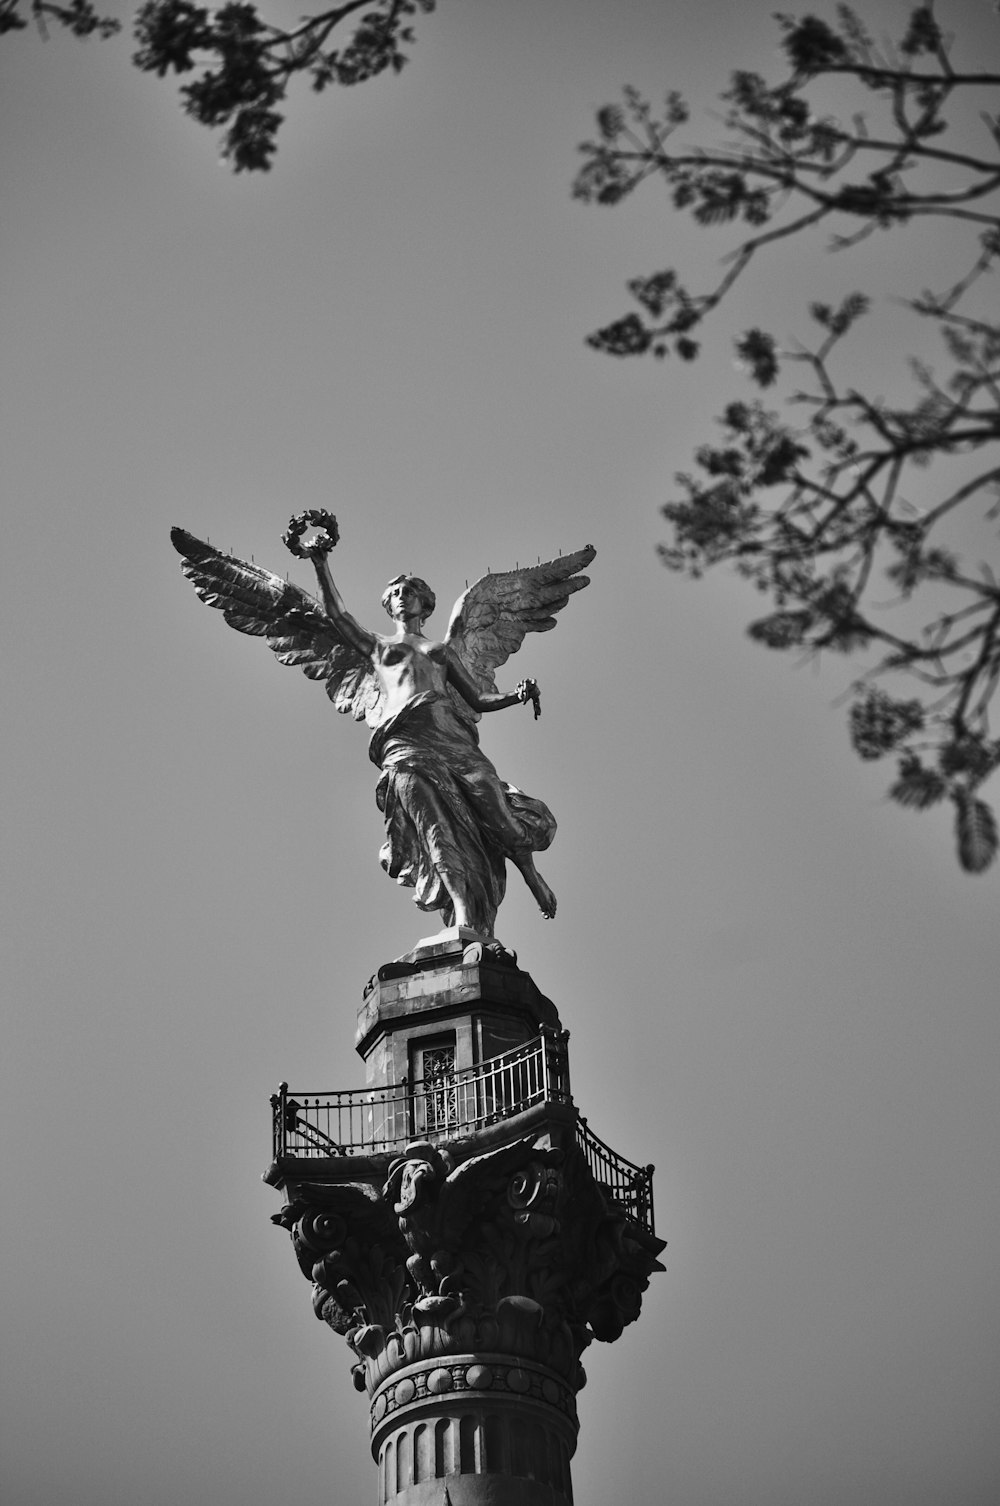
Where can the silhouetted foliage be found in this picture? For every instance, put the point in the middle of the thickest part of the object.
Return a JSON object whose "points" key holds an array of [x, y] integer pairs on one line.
{"points": [[814, 512], [79, 16], [242, 62]]}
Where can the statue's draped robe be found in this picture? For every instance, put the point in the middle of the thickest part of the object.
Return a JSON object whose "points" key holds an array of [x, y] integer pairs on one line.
{"points": [[447, 812]]}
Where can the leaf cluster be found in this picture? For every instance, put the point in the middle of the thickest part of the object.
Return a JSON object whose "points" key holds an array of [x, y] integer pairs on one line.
{"points": [[809, 502], [245, 64], [79, 17], [242, 63]]}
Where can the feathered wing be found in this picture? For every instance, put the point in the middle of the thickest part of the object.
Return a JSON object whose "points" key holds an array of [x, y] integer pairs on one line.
{"points": [[297, 629], [491, 618]]}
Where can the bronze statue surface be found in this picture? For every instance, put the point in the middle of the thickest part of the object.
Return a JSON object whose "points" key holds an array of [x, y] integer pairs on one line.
{"points": [[451, 823]]}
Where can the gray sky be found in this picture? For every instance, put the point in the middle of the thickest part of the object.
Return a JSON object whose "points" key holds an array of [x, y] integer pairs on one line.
{"points": [[780, 988]]}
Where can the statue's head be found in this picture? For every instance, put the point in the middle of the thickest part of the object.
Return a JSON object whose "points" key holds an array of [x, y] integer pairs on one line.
{"points": [[428, 601]]}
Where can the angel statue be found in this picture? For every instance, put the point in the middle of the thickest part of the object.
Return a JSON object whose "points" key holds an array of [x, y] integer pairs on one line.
{"points": [[451, 823]]}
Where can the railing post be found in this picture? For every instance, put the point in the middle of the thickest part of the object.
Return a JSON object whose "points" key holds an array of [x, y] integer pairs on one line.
{"points": [[279, 1124], [544, 1039]]}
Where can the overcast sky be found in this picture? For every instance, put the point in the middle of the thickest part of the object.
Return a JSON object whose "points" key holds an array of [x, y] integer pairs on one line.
{"points": [[780, 988]]}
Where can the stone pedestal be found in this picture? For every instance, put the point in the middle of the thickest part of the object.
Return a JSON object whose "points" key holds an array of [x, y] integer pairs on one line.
{"points": [[464, 1230]]}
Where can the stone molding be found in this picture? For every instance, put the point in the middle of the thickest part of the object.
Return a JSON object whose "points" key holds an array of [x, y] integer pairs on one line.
{"points": [[501, 1378]]}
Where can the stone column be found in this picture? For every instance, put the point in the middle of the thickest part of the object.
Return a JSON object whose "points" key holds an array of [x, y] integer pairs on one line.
{"points": [[467, 1290], [474, 1430]]}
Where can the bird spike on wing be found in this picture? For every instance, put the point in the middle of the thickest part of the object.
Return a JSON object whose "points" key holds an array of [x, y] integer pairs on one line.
{"points": [[491, 618], [297, 629]]}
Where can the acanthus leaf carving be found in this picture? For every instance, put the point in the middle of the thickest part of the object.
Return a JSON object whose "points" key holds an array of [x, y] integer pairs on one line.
{"points": [[517, 1250]]}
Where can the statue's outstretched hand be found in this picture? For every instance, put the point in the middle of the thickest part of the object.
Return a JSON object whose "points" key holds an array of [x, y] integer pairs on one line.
{"points": [[527, 690]]}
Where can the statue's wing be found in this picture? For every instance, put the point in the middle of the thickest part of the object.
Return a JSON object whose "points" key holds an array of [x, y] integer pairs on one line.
{"points": [[295, 625], [490, 620]]}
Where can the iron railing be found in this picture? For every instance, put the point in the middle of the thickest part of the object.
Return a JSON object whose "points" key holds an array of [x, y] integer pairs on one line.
{"points": [[373, 1121], [380, 1121], [628, 1185]]}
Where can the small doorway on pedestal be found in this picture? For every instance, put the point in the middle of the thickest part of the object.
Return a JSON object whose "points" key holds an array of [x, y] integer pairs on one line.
{"points": [[435, 1093]]}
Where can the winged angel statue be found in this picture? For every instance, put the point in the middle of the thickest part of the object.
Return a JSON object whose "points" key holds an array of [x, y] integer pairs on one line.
{"points": [[450, 821]]}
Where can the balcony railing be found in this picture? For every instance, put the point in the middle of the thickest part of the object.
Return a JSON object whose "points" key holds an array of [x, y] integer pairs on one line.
{"points": [[628, 1185], [373, 1121], [380, 1121]]}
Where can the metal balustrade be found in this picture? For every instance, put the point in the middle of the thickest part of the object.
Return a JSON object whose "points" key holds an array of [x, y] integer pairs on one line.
{"points": [[628, 1185], [373, 1121], [381, 1121]]}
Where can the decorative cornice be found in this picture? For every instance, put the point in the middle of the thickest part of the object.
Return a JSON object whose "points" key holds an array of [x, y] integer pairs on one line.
{"points": [[515, 1253], [479, 974]]}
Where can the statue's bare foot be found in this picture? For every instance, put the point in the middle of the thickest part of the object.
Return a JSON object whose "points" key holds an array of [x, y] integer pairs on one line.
{"points": [[539, 888]]}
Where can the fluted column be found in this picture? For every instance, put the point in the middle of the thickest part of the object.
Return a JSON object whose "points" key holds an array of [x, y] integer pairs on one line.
{"points": [[492, 1431]]}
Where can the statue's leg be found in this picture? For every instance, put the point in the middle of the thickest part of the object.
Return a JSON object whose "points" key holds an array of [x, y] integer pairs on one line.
{"points": [[500, 821], [539, 888], [454, 851], [488, 797], [470, 904]]}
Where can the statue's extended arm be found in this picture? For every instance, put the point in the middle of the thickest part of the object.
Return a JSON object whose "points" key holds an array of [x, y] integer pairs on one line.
{"points": [[347, 626], [295, 626], [490, 620], [487, 700]]}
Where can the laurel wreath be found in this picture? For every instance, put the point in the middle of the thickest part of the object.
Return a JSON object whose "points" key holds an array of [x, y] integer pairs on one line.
{"points": [[313, 518]]}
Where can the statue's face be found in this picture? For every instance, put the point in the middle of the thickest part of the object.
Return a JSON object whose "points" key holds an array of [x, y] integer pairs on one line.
{"points": [[408, 595], [403, 600]]}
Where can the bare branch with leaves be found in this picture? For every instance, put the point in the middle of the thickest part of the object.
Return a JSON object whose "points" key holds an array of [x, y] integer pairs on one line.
{"points": [[813, 509]]}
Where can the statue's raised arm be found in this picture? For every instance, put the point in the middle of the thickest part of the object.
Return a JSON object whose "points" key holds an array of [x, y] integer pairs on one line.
{"points": [[451, 823], [297, 629]]}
